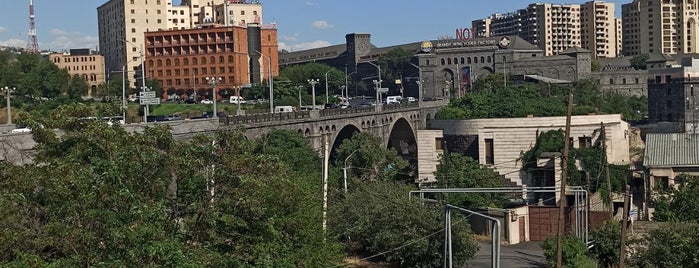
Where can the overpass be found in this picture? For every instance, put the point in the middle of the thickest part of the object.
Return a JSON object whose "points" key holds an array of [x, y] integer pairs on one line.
{"points": [[396, 125]]}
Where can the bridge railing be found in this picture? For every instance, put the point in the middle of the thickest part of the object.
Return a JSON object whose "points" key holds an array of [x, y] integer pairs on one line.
{"points": [[261, 118], [332, 112]]}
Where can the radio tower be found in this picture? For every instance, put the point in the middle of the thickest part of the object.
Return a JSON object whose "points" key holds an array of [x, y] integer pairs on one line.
{"points": [[32, 45]]}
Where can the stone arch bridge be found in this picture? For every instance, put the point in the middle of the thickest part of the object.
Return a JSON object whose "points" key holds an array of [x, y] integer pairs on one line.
{"points": [[395, 125]]}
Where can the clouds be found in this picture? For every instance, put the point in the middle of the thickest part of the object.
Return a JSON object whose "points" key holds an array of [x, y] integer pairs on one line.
{"points": [[303, 46], [63, 40], [2, 29], [323, 25], [14, 42]]}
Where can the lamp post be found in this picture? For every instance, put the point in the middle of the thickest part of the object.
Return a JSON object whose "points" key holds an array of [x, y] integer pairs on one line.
{"points": [[313, 83], [9, 90], [299, 90], [271, 82], [213, 81], [143, 76], [344, 169], [378, 85], [237, 92], [326, 86], [419, 83]]}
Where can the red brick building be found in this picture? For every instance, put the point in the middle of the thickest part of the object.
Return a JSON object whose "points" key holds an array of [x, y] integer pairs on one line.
{"points": [[182, 59]]}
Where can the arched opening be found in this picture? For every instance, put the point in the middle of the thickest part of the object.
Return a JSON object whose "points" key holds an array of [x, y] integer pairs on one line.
{"points": [[345, 133], [403, 140]]}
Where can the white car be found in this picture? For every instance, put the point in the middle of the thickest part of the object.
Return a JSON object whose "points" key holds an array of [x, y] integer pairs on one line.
{"points": [[207, 102], [22, 129]]}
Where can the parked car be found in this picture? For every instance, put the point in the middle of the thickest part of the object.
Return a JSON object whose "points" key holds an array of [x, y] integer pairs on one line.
{"points": [[236, 99], [207, 101], [190, 101]]}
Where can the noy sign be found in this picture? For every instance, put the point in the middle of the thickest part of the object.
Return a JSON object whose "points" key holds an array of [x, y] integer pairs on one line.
{"points": [[465, 33]]}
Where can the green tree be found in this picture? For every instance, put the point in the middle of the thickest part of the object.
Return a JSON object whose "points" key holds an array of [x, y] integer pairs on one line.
{"points": [[574, 251], [371, 161], [681, 204], [379, 222], [395, 62], [458, 171], [672, 245], [606, 243], [638, 62]]}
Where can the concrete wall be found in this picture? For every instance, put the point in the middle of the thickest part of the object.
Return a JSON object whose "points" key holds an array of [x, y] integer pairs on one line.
{"points": [[512, 136], [428, 154]]}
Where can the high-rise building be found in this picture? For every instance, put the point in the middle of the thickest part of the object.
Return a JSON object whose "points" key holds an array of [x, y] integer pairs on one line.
{"points": [[599, 29], [660, 26], [557, 27], [122, 24]]}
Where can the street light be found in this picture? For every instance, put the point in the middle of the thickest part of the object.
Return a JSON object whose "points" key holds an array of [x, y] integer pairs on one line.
{"points": [[143, 77], [344, 169], [313, 90], [419, 83], [326, 86], [299, 90], [213, 81], [271, 82], [377, 85], [8, 90]]}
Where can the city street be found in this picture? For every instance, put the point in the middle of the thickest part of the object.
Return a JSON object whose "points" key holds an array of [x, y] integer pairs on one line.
{"points": [[526, 254]]}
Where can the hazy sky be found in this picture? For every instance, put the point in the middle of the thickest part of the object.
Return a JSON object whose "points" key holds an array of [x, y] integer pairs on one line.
{"points": [[302, 24]]}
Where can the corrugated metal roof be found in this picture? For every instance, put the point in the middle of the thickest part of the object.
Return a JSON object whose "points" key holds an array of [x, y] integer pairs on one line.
{"points": [[671, 150]]}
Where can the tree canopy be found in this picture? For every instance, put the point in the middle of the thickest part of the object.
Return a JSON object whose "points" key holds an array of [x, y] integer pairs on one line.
{"points": [[493, 100]]}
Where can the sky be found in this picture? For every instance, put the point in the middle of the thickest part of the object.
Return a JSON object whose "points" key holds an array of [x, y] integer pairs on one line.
{"points": [[301, 24]]}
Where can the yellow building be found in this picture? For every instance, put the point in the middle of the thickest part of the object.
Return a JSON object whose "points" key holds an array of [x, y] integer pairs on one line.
{"points": [[84, 63], [660, 26]]}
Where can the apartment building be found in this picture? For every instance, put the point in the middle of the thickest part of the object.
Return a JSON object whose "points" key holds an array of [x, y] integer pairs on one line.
{"points": [[84, 63], [557, 27], [182, 60], [660, 26], [599, 29], [122, 24]]}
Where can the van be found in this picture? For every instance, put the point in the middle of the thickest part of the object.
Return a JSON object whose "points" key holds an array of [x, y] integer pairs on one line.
{"points": [[393, 99], [236, 99], [283, 109]]}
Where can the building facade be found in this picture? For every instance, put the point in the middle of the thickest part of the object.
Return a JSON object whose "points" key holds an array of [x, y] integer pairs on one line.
{"points": [[82, 62], [672, 96], [499, 142], [557, 27], [599, 29], [182, 60], [445, 68], [667, 26], [122, 24]]}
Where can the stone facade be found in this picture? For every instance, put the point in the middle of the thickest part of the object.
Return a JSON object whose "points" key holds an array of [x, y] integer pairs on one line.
{"points": [[623, 81], [501, 141], [672, 96], [84, 63]]}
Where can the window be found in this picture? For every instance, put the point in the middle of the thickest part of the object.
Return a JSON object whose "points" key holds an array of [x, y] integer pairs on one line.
{"points": [[585, 142], [489, 150], [133, 11], [438, 144], [662, 183], [242, 12]]}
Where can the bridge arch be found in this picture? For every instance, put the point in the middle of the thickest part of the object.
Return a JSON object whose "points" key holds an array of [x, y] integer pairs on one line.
{"points": [[344, 134], [402, 138]]}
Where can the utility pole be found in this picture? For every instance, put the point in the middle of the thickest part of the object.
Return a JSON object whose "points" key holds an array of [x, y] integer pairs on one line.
{"points": [[564, 175], [587, 199], [326, 156], [622, 251], [606, 169]]}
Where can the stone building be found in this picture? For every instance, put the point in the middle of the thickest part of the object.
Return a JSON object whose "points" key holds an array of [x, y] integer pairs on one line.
{"points": [[82, 62], [671, 93], [500, 142], [445, 67]]}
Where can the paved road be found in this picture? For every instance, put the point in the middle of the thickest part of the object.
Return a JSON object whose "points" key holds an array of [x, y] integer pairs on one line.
{"points": [[527, 254]]}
